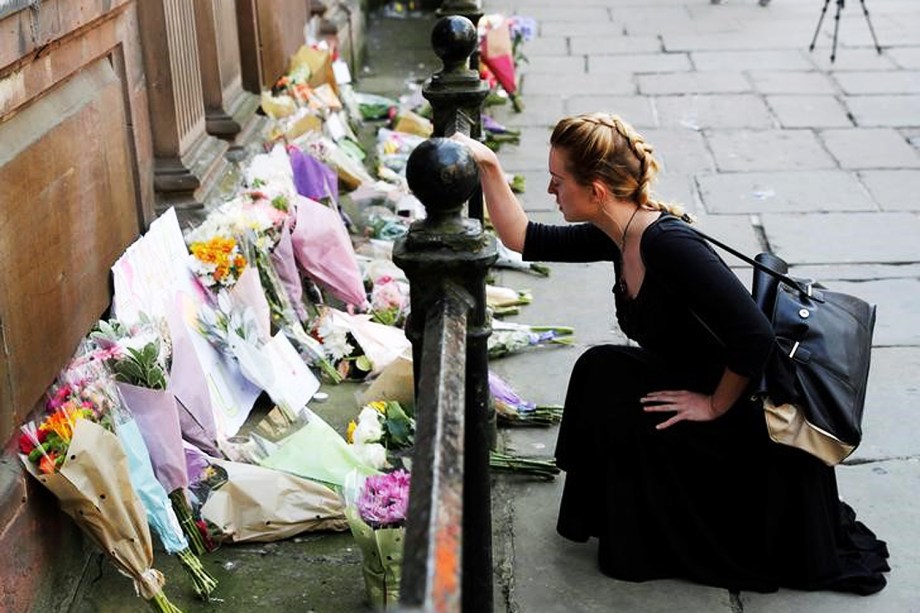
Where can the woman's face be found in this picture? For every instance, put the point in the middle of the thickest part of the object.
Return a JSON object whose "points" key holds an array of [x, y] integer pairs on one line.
{"points": [[574, 200]]}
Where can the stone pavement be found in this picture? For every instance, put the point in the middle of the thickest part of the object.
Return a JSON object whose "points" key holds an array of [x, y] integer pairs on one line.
{"points": [[770, 146]]}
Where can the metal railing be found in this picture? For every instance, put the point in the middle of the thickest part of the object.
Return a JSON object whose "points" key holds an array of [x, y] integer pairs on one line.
{"points": [[447, 563]]}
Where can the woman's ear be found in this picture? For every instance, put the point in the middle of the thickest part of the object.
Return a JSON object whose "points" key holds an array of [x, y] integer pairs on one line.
{"points": [[598, 191]]}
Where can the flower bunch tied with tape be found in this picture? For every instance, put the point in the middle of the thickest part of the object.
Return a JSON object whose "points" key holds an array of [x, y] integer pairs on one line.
{"points": [[78, 453]]}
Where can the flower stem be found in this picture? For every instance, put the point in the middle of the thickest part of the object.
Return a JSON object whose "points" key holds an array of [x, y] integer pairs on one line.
{"points": [[201, 578], [189, 527], [160, 603], [541, 469]]}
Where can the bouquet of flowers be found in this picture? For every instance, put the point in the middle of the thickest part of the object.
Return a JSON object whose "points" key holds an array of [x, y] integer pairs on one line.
{"points": [[140, 357], [512, 410], [340, 345], [508, 338], [514, 261], [497, 134], [376, 514], [75, 456], [389, 301], [503, 301], [382, 427], [217, 261]]}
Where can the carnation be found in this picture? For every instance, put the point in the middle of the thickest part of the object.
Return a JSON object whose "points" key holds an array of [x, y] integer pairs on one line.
{"points": [[384, 500]]}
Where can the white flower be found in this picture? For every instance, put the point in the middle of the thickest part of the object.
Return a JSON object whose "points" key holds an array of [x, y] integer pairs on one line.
{"points": [[372, 454], [335, 338], [369, 429]]}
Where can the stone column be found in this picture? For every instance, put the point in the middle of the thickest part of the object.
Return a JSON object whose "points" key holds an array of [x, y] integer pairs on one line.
{"points": [[188, 161], [229, 110], [270, 32]]}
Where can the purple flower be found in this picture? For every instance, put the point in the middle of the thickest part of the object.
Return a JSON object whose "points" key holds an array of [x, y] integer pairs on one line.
{"points": [[524, 28], [384, 500], [503, 392]]}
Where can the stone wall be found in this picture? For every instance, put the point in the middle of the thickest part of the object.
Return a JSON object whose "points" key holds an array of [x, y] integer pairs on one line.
{"points": [[75, 171], [110, 112]]}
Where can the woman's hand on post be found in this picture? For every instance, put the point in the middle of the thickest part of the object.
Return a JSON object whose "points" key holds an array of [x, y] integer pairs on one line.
{"points": [[481, 154], [685, 406]]}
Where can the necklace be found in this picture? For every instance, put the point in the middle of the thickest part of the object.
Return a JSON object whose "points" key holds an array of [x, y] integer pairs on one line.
{"points": [[626, 229], [622, 281]]}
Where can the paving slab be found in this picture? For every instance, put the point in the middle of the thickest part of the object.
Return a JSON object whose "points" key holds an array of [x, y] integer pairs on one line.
{"points": [[568, 85], [854, 60], [892, 82], [736, 231], [700, 111], [783, 59], [599, 47], [885, 111], [768, 150], [890, 418], [639, 111], [574, 13], [547, 45], [605, 27], [787, 191], [731, 41], [898, 300], [638, 63], [824, 111], [539, 111], [531, 155], [905, 57], [791, 82], [857, 272], [880, 493], [564, 64], [826, 238], [693, 83], [679, 150], [677, 187], [893, 190], [639, 14], [870, 148], [535, 197]]}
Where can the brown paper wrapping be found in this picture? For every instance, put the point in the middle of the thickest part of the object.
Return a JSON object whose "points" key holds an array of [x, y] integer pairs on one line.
{"points": [[395, 382], [94, 488], [262, 504]]}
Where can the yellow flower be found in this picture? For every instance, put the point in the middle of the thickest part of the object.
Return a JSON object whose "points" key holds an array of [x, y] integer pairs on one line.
{"points": [[350, 432], [379, 405]]}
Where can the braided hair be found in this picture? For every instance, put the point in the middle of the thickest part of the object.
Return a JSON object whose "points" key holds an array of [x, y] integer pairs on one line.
{"points": [[601, 146]]}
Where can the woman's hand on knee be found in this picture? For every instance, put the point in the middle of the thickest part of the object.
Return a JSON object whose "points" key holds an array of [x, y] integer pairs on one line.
{"points": [[685, 406]]}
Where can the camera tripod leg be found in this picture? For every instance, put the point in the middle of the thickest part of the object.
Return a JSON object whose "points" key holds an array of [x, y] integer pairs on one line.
{"points": [[814, 39], [871, 29], [836, 28]]}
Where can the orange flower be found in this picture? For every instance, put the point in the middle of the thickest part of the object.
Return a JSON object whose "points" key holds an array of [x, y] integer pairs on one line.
{"points": [[48, 463], [63, 420]]}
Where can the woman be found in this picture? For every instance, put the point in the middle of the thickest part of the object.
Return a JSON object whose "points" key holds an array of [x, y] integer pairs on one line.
{"points": [[667, 459]]}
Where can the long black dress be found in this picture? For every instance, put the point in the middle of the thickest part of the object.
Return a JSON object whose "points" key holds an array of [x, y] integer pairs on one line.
{"points": [[714, 502]]}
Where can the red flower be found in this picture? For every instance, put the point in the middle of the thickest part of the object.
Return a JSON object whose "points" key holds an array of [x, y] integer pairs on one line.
{"points": [[27, 443]]}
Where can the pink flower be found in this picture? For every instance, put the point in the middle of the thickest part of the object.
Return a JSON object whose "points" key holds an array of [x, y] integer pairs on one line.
{"points": [[384, 501]]}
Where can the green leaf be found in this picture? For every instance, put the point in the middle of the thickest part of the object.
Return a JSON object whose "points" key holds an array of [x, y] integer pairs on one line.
{"points": [[363, 363]]}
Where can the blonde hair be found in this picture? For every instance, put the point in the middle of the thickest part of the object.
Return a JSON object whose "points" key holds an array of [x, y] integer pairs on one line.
{"points": [[601, 146]]}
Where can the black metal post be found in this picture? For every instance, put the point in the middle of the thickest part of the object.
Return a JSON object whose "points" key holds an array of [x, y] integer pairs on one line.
{"points": [[456, 88], [447, 248], [472, 10]]}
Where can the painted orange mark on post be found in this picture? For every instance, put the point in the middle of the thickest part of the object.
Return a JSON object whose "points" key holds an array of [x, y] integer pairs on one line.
{"points": [[446, 588]]}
